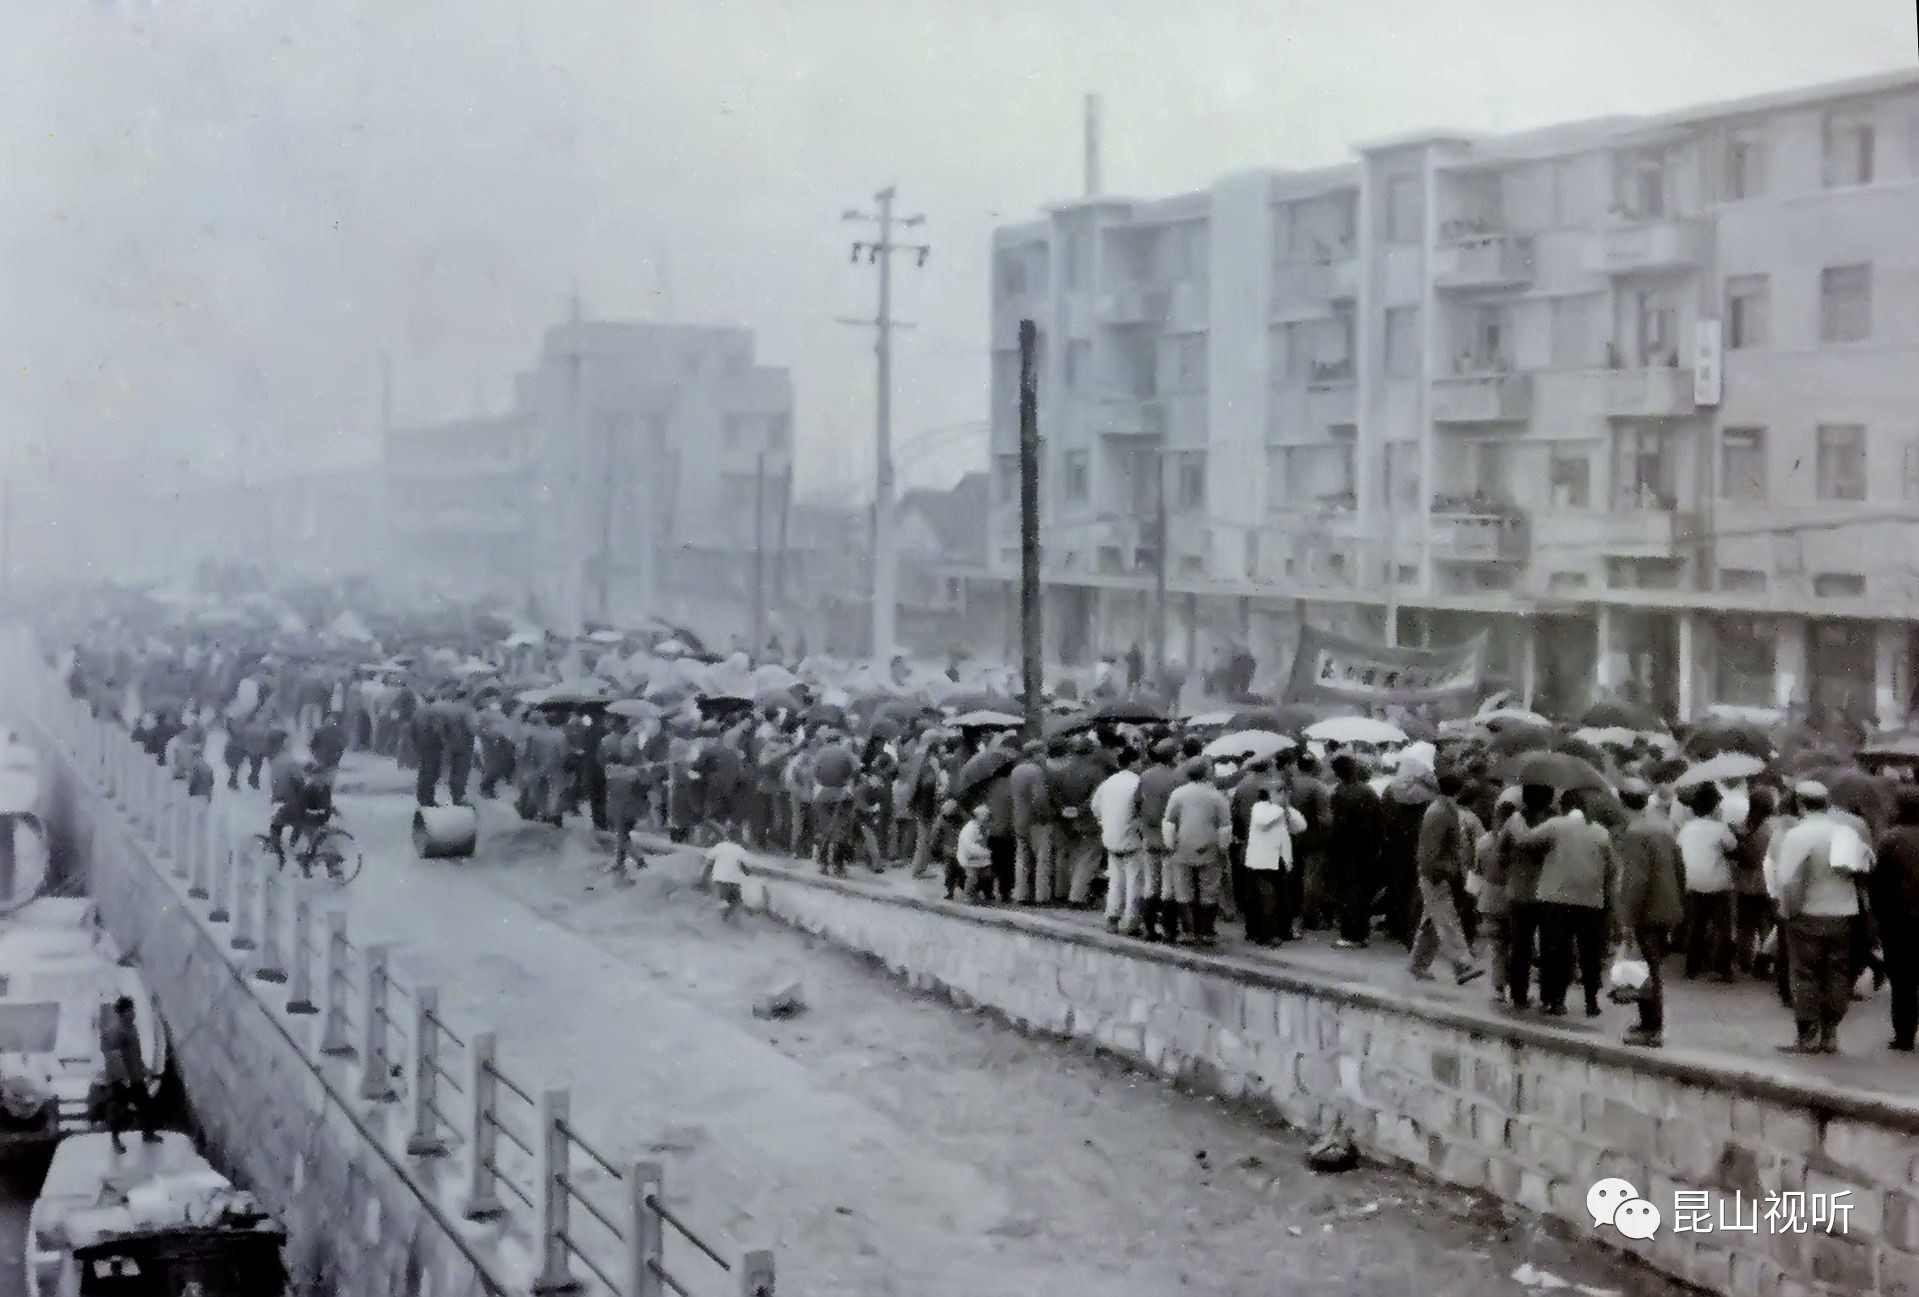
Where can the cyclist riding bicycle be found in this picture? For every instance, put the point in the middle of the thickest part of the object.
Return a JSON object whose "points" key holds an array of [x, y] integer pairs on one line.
{"points": [[305, 806]]}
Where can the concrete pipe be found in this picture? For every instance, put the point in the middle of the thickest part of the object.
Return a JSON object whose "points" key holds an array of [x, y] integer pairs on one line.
{"points": [[445, 832]]}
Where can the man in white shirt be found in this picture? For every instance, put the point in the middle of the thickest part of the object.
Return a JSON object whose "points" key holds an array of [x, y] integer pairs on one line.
{"points": [[1116, 809], [1817, 906], [1706, 844]]}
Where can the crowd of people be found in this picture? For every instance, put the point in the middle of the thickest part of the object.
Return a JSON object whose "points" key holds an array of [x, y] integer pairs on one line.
{"points": [[1564, 865]]}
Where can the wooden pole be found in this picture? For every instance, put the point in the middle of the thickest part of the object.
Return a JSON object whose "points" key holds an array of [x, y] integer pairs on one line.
{"points": [[1032, 640]]}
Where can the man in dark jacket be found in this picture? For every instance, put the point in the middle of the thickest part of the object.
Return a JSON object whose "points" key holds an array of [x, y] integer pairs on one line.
{"points": [[1353, 849], [1894, 893], [1649, 904], [126, 1074], [1157, 781], [1033, 825], [429, 745]]}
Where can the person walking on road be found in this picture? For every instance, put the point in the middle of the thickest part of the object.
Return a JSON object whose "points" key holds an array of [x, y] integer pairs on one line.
{"points": [[1649, 903], [1444, 856], [1818, 900], [126, 1075], [1894, 893], [1199, 831]]}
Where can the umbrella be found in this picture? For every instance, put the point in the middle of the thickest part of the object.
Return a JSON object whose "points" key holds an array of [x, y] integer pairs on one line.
{"points": [[1870, 797], [1252, 744], [987, 720], [1210, 720], [1622, 715], [1727, 765], [1711, 737], [606, 637], [722, 705], [1355, 729], [1561, 771], [1608, 736], [1506, 717], [773, 676], [981, 700], [1759, 716], [571, 694], [634, 709], [1901, 749], [1127, 711], [783, 699], [526, 639], [982, 770], [824, 714]]}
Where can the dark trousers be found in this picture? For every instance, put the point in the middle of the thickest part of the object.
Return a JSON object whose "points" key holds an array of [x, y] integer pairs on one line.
{"points": [[426, 778], [1005, 854], [1709, 929], [1265, 900], [459, 768], [1751, 913], [1522, 934], [1651, 940], [1564, 930], [1902, 973], [1821, 969], [1356, 899], [125, 1100]]}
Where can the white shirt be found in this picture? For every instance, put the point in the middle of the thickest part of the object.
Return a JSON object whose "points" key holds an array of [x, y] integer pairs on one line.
{"points": [[1805, 852], [729, 862], [1115, 806], [1703, 846], [1269, 835]]}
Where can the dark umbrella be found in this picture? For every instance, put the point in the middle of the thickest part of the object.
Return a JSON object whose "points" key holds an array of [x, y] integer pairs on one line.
{"points": [[824, 714], [1520, 738], [1901, 749], [1870, 797], [835, 766], [982, 770], [724, 705], [1632, 716], [1561, 771], [984, 700], [1710, 738], [781, 700], [1127, 711]]}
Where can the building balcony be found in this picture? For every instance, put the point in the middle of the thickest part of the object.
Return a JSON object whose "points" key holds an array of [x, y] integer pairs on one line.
{"points": [[1652, 533], [1483, 398], [1490, 261], [1190, 308], [1135, 304], [1332, 403], [1658, 393], [1460, 536], [1126, 416], [1307, 290], [1633, 247]]}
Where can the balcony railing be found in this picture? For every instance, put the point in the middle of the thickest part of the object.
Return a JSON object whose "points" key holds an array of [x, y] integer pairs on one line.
{"points": [[1652, 532], [1483, 398], [1464, 536], [1306, 290], [1628, 246], [1127, 416], [1487, 261], [1660, 392], [1135, 303]]}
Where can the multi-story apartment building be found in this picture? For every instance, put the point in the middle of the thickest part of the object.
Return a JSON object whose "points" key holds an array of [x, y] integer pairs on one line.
{"points": [[622, 482], [1633, 395]]}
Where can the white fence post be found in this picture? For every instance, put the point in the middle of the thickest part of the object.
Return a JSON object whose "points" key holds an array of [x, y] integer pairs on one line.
{"points": [[645, 1231], [425, 1141], [300, 960], [271, 965], [245, 871], [180, 834], [483, 1135], [376, 1068], [221, 910], [202, 848], [556, 1276], [333, 1031], [753, 1272]]}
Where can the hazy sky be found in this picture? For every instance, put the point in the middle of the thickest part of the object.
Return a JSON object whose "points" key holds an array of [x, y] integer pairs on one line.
{"points": [[216, 214]]}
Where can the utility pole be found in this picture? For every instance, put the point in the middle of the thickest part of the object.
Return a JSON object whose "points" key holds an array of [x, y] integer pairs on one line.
{"points": [[1161, 538], [885, 561], [759, 558], [1032, 641]]}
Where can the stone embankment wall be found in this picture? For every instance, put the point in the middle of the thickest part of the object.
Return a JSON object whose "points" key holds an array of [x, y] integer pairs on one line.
{"points": [[281, 1119], [1529, 1116]]}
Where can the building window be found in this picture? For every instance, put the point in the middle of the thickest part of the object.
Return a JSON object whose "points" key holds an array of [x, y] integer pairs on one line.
{"points": [[1402, 342], [1195, 252], [1842, 461], [1280, 350], [1071, 253], [1742, 580], [1742, 465], [1747, 298], [1405, 210], [1011, 274], [1838, 585], [1189, 362], [1746, 164], [1565, 582], [1848, 151], [1079, 474], [1571, 475], [1079, 365], [1191, 485], [1845, 304], [1572, 332]]}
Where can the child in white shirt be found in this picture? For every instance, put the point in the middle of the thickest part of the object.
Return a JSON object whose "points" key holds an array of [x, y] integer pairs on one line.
{"points": [[726, 866], [973, 855]]}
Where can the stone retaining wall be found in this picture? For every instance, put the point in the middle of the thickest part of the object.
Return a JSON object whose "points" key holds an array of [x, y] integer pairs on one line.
{"points": [[1515, 1110], [362, 1218]]}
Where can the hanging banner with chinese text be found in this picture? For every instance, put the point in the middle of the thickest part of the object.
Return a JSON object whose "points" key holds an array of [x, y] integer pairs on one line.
{"points": [[1330, 668]]}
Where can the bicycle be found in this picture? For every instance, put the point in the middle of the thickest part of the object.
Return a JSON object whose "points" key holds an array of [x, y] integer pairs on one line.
{"points": [[322, 851]]}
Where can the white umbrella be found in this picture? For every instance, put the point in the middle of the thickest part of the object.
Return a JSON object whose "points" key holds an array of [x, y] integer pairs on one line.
{"points": [[1746, 715], [1727, 765], [1356, 729], [1249, 745], [1513, 716], [1608, 736], [1206, 720]]}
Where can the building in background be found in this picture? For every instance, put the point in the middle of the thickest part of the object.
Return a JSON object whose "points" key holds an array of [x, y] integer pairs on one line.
{"points": [[459, 508], [1632, 395]]}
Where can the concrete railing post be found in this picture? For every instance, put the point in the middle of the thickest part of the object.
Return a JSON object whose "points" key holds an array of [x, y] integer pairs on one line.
{"points": [[221, 902], [204, 819], [333, 1028], [424, 1140], [555, 1201], [376, 1066], [300, 958], [483, 1135], [180, 834], [271, 965], [753, 1272], [645, 1231], [246, 870]]}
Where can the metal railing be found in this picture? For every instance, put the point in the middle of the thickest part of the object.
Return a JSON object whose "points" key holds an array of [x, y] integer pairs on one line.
{"points": [[594, 1225]]}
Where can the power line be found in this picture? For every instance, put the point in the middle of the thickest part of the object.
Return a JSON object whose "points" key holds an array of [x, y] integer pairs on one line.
{"points": [[879, 252]]}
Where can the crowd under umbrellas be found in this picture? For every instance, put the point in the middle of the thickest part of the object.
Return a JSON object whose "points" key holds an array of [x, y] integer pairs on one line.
{"points": [[1590, 856]]}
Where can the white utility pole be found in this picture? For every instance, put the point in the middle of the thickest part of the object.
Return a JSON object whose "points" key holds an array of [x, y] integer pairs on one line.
{"points": [[885, 560]]}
